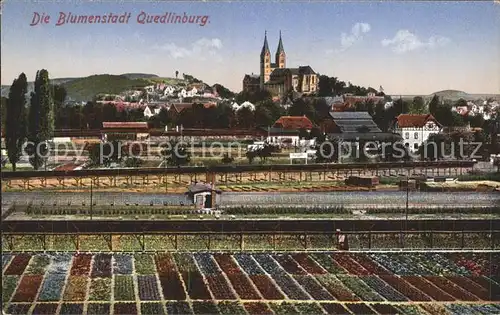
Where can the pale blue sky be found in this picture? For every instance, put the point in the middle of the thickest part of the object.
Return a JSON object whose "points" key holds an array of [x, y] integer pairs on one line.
{"points": [[407, 47]]}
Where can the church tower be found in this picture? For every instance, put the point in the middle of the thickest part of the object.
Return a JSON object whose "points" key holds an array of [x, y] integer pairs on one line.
{"points": [[265, 63], [280, 55]]}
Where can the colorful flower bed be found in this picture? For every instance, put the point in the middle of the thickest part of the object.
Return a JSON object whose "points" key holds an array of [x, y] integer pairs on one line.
{"points": [[360, 308], [81, 265], [172, 287], [382, 288], [195, 286], [258, 309], [52, 287], [124, 309], [204, 308], [9, 284], [349, 264], [144, 264], [152, 309], [308, 264], [360, 288], [315, 290], [200, 283], [124, 288], [76, 288], [71, 309], [266, 287], [429, 289], [100, 289], [102, 266], [38, 265], [403, 287], [18, 264], [243, 287], [98, 308], [248, 264], [328, 263], [219, 287], [309, 308], [45, 309], [207, 265], [289, 265], [231, 308], [28, 288], [148, 288], [122, 264], [284, 308], [290, 287], [335, 308], [179, 308], [336, 288]]}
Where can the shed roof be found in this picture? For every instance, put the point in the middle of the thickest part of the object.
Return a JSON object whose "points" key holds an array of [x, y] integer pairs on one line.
{"points": [[131, 125], [349, 122], [293, 122], [366, 136], [196, 188]]}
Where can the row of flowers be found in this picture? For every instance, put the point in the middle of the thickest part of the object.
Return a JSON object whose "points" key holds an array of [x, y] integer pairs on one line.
{"points": [[272, 277]]}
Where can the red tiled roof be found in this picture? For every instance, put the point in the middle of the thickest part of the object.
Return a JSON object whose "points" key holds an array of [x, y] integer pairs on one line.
{"points": [[414, 120], [132, 125], [293, 122], [181, 106]]}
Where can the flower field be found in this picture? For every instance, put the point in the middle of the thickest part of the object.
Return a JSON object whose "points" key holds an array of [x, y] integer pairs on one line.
{"points": [[251, 283]]}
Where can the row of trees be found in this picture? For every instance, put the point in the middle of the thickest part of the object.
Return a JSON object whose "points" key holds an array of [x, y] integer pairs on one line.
{"points": [[35, 125]]}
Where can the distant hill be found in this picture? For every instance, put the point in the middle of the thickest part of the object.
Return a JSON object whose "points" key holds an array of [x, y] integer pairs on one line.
{"points": [[135, 76], [453, 95], [85, 88]]}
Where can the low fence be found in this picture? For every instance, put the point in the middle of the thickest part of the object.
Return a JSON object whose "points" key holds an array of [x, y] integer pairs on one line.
{"points": [[251, 241], [235, 169]]}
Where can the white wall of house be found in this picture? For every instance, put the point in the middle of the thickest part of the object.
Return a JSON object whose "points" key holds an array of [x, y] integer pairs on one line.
{"points": [[147, 112], [292, 140], [414, 137]]}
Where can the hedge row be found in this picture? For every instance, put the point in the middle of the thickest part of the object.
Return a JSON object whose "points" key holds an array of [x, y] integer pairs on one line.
{"points": [[437, 210], [249, 210]]}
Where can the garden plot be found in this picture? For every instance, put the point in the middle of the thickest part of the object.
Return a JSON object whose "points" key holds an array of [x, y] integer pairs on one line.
{"points": [[251, 283]]}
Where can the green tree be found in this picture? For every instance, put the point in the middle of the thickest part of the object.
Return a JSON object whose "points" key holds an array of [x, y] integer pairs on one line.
{"points": [[245, 118], [43, 91], [15, 124], [175, 153], [418, 105], [327, 151], [40, 119], [436, 147], [59, 94], [433, 105], [3, 110]]}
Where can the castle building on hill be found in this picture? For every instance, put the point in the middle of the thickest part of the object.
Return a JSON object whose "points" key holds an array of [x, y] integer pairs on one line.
{"points": [[277, 78]]}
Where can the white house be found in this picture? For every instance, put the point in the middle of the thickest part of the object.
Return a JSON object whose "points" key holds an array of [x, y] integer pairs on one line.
{"points": [[147, 112], [192, 92], [416, 129], [247, 104], [182, 93], [169, 90]]}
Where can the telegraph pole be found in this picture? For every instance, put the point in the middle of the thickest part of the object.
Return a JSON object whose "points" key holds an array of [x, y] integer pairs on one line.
{"points": [[91, 197]]}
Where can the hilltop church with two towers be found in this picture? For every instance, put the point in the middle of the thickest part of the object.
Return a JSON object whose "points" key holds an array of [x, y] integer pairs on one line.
{"points": [[276, 78]]}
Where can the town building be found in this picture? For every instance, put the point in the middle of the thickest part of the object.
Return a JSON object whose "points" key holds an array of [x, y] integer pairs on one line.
{"points": [[125, 130], [276, 78], [416, 129], [294, 123]]}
